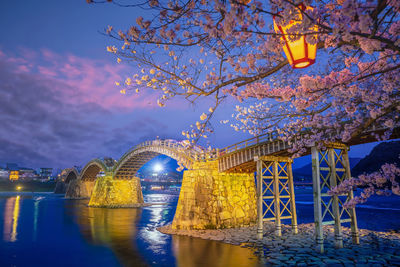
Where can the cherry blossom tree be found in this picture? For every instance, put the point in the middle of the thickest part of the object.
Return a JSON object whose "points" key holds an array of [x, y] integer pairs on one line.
{"points": [[228, 48]]}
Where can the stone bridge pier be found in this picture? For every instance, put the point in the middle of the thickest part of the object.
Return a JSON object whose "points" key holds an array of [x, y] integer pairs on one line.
{"points": [[109, 192], [210, 199], [79, 188]]}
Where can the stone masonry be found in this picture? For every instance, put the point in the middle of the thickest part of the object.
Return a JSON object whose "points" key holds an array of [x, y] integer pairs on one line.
{"points": [[79, 189], [60, 188], [212, 200], [113, 193]]}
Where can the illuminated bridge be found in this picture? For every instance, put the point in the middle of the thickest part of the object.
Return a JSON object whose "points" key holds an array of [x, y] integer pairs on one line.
{"points": [[218, 188]]}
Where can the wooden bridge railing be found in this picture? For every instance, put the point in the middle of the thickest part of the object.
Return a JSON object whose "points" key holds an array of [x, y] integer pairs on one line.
{"points": [[268, 137], [274, 136]]}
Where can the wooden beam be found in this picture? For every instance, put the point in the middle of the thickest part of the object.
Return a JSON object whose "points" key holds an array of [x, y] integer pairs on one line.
{"points": [[335, 199], [260, 213], [317, 199]]}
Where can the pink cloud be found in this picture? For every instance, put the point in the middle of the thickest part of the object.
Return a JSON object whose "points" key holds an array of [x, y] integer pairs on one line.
{"points": [[86, 80], [46, 71], [22, 68]]}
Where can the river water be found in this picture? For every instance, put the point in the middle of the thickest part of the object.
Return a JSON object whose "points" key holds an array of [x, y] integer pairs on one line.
{"points": [[43, 229]]}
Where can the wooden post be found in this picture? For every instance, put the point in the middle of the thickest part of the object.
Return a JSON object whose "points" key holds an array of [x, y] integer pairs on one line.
{"points": [[317, 199], [292, 198], [278, 231], [354, 227], [335, 199], [260, 215]]}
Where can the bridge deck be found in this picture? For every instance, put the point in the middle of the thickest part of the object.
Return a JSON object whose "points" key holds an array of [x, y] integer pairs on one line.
{"points": [[240, 157]]}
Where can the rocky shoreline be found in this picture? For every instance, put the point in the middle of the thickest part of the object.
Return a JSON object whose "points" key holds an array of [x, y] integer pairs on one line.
{"points": [[127, 206], [375, 249]]}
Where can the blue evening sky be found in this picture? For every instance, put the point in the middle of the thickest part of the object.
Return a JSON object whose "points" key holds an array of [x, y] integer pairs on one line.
{"points": [[58, 104]]}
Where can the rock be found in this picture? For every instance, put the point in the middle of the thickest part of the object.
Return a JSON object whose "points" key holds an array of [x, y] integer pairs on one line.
{"points": [[299, 250]]}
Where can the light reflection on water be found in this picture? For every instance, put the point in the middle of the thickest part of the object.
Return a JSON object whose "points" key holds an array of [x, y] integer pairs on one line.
{"points": [[113, 228], [11, 215], [192, 252], [47, 230], [132, 236], [35, 218]]}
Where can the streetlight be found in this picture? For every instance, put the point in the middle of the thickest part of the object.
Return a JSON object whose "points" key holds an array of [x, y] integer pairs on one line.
{"points": [[158, 167]]}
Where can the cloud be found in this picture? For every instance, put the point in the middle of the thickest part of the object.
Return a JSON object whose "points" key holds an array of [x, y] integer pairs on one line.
{"points": [[79, 80], [60, 111]]}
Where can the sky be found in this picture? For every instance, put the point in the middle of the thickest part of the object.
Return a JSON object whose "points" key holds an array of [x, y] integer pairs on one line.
{"points": [[59, 105]]}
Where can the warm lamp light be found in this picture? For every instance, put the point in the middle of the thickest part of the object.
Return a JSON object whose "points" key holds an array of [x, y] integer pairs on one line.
{"points": [[19, 188], [299, 53]]}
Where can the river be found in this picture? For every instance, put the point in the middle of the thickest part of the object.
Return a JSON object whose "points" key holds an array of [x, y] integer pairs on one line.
{"points": [[43, 229]]}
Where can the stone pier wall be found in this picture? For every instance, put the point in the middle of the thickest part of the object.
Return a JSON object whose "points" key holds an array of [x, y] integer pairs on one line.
{"points": [[213, 200], [111, 193], [60, 188], [79, 189]]}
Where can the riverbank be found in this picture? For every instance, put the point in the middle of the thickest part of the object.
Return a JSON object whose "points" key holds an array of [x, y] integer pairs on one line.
{"points": [[27, 186], [376, 248]]}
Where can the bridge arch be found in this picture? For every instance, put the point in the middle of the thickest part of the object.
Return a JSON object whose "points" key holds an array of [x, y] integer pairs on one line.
{"points": [[70, 174], [134, 159], [94, 167]]}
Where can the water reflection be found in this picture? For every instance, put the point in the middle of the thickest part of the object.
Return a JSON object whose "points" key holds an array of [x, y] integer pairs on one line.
{"points": [[154, 239], [132, 236], [35, 217], [199, 252], [11, 215], [114, 228]]}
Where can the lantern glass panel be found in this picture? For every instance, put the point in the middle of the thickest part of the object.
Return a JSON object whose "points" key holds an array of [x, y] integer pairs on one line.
{"points": [[312, 51], [299, 53]]}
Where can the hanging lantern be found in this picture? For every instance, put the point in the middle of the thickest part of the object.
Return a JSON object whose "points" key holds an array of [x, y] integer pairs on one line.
{"points": [[299, 53]]}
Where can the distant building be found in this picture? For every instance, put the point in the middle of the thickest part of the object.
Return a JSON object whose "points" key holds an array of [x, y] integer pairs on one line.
{"points": [[27, 174], [14, 176], [46, 173], [13, 171]]}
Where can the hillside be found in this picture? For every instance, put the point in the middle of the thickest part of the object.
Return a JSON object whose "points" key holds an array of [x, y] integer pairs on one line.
{"points": [[387, 152], [304, 174]]}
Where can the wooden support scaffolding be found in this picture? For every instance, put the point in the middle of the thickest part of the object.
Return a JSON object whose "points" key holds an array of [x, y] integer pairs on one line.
{"points": [[329, 168], [275, 193]]}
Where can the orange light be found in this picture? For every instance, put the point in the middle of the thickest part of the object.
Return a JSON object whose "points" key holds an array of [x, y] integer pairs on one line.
{"points": [[299, 53], [14, 175]]}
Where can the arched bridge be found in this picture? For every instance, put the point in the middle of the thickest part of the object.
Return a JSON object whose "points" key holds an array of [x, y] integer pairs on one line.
{"points": [[128, 165], [135, 158], [96, 166], [70, 174], [238, 157], [218, 187]]}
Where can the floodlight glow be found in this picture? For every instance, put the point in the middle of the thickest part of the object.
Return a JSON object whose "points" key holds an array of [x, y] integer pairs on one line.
{"points": [[158, 167]]}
